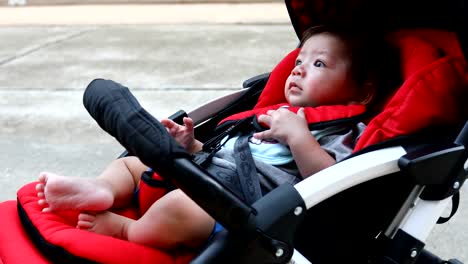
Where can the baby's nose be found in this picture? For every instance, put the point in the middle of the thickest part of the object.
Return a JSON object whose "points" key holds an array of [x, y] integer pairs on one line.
{"points": [[298, 70]]}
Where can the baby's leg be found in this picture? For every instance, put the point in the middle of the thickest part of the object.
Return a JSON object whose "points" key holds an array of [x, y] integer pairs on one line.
{"points": [[113, 188], [172, 221]]}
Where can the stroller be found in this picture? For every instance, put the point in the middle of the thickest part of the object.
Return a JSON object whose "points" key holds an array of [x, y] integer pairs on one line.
{"points": [[409, 164]]}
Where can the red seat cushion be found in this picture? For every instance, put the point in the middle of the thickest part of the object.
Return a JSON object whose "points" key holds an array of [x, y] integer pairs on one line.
{"points": [[15, 245], [59, 229]]}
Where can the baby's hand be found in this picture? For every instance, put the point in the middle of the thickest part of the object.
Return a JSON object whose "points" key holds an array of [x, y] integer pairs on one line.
{"points": [[184, 135], [283, 124]]}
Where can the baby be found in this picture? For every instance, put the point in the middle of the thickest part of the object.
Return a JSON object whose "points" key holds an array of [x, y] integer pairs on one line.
{"points": [[332, 68]]}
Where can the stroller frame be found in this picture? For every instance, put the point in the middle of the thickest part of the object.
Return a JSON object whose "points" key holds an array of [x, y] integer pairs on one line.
{"points": [[403, 241]]}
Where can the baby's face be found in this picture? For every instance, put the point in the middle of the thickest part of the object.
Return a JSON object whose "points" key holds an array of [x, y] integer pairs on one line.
{"points": [[322, 75]]}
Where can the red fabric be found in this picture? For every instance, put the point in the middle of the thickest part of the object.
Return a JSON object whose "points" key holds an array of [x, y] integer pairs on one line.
{"points": [[415, 53], [149, 194], [429, 94], [312, 114], [427, 98], [15, 245], [58, 229], [446, 42]]}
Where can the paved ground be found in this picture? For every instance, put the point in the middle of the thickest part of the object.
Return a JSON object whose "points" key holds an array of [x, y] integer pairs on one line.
{"points": [[264, 13], [171, 56]]}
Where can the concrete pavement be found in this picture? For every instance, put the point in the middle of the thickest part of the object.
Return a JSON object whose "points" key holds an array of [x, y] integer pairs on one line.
{"points": [[171, 56], [265, 13]]}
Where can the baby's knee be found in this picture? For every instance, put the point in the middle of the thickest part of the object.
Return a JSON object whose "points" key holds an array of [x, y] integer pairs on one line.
{"points": [[196, 223], [177, 202], [179, 206]]}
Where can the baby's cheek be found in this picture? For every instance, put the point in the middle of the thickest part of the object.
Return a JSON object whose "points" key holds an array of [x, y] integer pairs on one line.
{"points": [[286, 84]]}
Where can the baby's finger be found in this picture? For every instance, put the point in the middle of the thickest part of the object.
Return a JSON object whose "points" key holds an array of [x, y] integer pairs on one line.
{"points": [[258, 135], [269, 112], [262, 135], [188, 122], [266, 119], [168, 123], [301, 112]]}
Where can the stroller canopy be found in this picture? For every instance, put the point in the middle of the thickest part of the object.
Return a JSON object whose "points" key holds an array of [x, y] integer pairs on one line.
{"points": [[386, 15]]}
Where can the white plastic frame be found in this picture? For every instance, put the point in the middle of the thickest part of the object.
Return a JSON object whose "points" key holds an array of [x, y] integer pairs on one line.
{"points": [[349, 173], [344, 175], [418, 221]]}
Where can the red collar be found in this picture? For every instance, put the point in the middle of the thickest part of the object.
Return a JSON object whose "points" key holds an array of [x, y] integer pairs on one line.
{"points": [[313, 115]]}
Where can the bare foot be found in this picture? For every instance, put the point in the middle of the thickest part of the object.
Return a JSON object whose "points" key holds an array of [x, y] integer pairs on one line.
{"points": [[63, 193], [105, 223]]}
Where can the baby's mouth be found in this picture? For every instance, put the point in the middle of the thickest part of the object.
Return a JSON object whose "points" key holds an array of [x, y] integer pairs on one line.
{"points": [[294, 88]]}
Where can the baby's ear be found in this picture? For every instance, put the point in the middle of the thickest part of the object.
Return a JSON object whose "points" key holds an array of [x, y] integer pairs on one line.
{"points": [[368, 93]]}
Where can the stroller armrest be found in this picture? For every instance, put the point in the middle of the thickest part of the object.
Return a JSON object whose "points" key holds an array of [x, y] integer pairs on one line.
{"points": [[204, 112], [348, 173], [256, 80]]}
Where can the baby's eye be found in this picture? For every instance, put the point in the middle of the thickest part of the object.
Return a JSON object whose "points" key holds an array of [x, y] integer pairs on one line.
{"points": [[298, 62], [319, 63]]}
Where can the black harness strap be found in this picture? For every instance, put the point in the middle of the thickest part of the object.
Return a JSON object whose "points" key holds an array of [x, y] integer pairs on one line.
{"points": [[246, 170], [211, 146]]}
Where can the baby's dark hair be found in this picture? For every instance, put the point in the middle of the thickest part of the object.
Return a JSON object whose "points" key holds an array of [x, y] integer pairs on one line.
{"points": [[373, 60]]}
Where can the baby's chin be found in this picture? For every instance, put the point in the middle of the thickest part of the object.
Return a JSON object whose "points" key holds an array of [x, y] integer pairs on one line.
{"points": [[301, 104]]}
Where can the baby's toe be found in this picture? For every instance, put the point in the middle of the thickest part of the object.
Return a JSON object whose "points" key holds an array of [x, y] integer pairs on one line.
{"points": [[43, 177], [40, 187], [86, 217], [85, 221], [84, 225]]}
